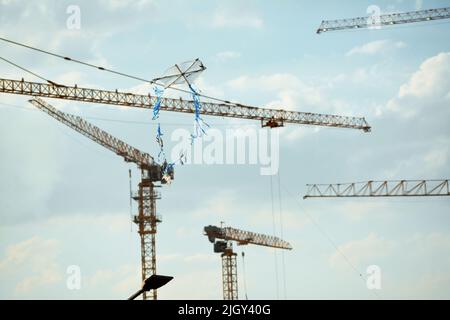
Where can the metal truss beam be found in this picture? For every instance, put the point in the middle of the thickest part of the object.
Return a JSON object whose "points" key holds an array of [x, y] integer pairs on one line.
{"points": [[147, 221], [229, 275], [129, 153], [384, 20], [246, 237], [402, 188], [268, 117]]}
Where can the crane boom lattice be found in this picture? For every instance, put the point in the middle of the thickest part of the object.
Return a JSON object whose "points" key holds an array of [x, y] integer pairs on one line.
{"points": [[129, 153], [384, 20], [246, 237], [402, 188], [268, 117], [151, 172], [229, 262]]}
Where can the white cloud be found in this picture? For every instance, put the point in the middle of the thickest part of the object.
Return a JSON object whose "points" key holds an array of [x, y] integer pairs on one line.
{"points": [[432, 78], [120, 281], [356, 211], [291, 92], [227, 55], [376, 47], [204, 284], [429, 286], [112, 223], [423, 259], [236, 18], [200, 258], [427, 88], [429, 243], [291, 220], [438, 156], [35, 149], [208, 89], [220, 205], [365, 251], [38, 257], [296, 133], [121, 4]]}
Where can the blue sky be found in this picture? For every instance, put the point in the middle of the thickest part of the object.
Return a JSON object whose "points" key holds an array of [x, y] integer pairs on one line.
{"points": [[65, 199]]}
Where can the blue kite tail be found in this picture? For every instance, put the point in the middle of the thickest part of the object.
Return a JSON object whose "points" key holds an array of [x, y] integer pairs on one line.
{"points": [[157, 106]]}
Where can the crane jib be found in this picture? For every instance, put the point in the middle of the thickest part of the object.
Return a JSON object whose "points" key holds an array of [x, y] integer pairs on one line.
{"points": [[269, 117]]}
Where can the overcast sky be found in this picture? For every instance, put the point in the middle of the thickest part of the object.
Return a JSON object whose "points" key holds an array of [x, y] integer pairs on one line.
{"points": [[64, 199]]}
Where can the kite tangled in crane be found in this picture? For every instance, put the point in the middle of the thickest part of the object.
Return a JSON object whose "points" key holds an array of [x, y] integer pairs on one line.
{"points": [[157, 106], [184, 73], [160, 142], [199, 123]]}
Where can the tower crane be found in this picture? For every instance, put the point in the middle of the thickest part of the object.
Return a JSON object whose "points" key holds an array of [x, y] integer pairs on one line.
{"points": [[384, 20], [229, 263], [151, 173], [269, 117], [401, 188]]}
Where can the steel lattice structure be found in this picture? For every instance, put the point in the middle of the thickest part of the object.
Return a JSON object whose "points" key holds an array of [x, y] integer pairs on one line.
{"points": [[401, 188], [229, 262], [147, 221], [384, 20], [268, 117], [129, 153], [229, 275], [151, 172], [246, 237]]}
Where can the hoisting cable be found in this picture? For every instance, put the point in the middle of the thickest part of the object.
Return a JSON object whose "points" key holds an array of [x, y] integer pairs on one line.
{"points": [[111, 71], [283, 265], [244, 275], [30, 72], [274, 234], [131, 202], [316, 224]]}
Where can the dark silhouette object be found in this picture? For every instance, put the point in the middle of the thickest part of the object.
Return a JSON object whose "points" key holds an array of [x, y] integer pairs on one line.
{"points": [[154, 282]]}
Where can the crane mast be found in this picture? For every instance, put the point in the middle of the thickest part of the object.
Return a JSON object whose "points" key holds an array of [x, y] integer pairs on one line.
{"points": [[401, 188], [146, 196], [384, 20], [269, 117], [152, 172], [229, 261]]}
